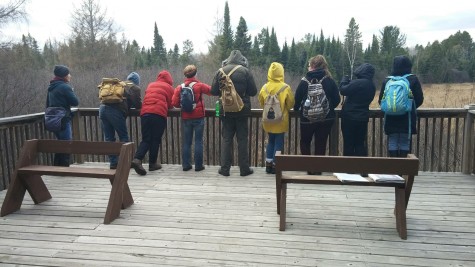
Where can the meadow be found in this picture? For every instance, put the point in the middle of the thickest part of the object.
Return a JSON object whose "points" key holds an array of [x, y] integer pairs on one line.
{"points": [[447, 95]]}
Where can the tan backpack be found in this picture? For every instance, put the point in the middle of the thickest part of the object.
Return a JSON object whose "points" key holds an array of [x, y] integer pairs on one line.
{"points": [[111, 90], [272, 112], [230, 99]]}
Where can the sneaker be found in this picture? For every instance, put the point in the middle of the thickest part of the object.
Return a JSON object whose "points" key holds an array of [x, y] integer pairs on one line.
{"points": [[154, 166], [269, 167], [197, 169], [137, 165], [248, 172], [185, 169], [223, 172]]}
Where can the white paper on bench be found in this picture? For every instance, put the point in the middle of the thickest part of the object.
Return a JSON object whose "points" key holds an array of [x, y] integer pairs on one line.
{"points": [[386, 178], [348, 177]]}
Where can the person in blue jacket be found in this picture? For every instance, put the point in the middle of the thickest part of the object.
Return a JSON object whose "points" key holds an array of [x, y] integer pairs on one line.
{"points": [[61, 94]]}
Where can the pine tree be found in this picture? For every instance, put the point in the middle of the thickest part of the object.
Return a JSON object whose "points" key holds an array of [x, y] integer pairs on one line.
{"points": [[159, 52], [227, 37], [242, 41]]}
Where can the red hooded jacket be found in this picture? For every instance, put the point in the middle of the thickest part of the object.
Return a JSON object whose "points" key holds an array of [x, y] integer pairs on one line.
{"points": [[158, 95], [198, 90]]}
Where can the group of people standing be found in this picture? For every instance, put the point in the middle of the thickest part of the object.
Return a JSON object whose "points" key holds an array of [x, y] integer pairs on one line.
{"points": [[160, 96]]}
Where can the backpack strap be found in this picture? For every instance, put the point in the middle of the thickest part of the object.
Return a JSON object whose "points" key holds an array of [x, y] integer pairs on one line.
{"points": [[320, 81], [231, 72], [278, 92]]}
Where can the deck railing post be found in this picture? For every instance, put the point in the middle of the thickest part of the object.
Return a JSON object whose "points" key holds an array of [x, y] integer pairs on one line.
{"points": [[77, 133], [467, 154]]}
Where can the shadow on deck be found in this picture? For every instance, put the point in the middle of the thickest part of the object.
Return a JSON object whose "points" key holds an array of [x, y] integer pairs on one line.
{"points": [[204, 219]]}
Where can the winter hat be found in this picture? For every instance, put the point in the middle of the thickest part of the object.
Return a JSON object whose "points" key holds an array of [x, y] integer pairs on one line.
{"points": [[61, 71], [190, 71], [134, 77]]}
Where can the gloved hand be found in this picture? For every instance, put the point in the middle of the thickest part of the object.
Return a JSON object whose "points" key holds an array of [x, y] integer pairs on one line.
{"points": [[345, 80]]}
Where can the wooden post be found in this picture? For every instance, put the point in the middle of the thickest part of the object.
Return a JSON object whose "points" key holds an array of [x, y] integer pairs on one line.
{"points": [[77, 133], [467, 140]]}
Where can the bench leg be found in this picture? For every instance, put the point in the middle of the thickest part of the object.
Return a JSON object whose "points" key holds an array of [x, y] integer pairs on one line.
{"points": [[278, 189], [36, 188], [127, 199], [17, 189], [120, 197], [400, 212], [283, 203]]}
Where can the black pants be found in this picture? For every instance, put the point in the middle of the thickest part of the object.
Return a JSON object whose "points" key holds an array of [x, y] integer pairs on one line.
{"points": [[354, 137], [153, 126], [321, 132], [239, 127]]}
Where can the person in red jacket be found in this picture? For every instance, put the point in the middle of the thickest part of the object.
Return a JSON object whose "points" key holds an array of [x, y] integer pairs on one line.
{"points": [[192, 122], [153, 118]]}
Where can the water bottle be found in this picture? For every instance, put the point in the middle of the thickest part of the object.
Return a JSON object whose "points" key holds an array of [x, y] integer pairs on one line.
{"points": [[307, 103], [217, 108]]}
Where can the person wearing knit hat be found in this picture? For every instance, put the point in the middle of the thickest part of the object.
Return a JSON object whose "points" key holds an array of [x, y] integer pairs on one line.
{"points": [[192, 122], [61, 71], [113, 115], [61, 94]]}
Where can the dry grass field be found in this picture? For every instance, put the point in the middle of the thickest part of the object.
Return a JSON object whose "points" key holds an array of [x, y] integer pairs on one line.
{"points": [[455, 95]]}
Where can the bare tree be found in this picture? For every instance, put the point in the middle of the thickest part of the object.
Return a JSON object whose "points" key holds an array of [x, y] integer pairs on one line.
{"points": [[352, 43], [12, 11]]}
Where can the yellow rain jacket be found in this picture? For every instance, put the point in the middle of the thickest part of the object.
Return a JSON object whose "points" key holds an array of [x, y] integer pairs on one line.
{"points": [[275, 78]]}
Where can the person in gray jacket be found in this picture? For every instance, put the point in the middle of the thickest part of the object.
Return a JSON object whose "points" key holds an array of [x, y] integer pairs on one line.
{"points": [[236, 123]]}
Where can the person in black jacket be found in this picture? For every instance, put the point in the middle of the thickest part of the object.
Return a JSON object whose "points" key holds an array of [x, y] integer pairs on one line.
{"points": [[61, 94], [320, 130], [358, 93], [113, 116], [396, 127], [236, 123]]}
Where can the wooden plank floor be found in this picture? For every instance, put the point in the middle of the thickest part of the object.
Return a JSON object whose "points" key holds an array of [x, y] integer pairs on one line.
{"points": [[204, 219]]}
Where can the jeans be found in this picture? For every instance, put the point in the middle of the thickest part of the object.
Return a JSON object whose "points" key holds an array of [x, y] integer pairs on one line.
{"points": [[189, 127], [153, 126], [354, 137], [399, 141], [61, 159], [275, 143], [235, 126], [113, 120]]}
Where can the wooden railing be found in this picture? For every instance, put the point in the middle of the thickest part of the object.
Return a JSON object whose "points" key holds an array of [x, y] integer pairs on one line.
{"points": [[444, 142]]}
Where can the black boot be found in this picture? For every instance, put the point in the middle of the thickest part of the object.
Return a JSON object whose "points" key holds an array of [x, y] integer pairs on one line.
{"points": [[393, 153], [268, 167], [403, 153]]}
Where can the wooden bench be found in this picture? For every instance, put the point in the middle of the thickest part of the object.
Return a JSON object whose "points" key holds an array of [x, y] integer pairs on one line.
{"points": [[406, 167], [27, 174]]}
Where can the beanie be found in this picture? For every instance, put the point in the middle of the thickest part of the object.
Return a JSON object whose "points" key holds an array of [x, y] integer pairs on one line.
{"points": [[134, 77], [61, 71]]}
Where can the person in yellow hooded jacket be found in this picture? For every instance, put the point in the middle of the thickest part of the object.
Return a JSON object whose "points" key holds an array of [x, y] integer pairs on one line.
{"points": [[276, 129]]}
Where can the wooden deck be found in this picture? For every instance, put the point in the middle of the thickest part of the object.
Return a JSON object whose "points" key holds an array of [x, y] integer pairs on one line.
{"points": [[204, 219]]}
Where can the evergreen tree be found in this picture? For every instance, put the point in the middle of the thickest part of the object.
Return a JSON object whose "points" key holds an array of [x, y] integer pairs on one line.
{"points": [[242, 40], [274, 49], [293, 63], [352, 44], [159, 52], [284, 56], [227, 36]]}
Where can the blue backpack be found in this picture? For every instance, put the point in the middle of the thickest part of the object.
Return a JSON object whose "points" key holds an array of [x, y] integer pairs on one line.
{"points": [[397, 97], [187, 97]]}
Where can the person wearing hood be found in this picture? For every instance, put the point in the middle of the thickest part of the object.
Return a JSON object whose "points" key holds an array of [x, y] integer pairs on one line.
{"points": [[192, 122], [61, 94], [320, 130], [236, 123], [113, 115], [396, 127], [153, 119], [276, 130], [358, 93]]}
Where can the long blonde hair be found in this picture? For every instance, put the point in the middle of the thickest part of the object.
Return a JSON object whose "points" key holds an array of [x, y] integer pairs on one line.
{"points": [[319, 62]]}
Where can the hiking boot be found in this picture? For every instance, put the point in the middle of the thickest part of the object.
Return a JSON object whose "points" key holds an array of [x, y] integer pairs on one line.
{"points": [[137, 165], [269, 167], [154, 166], [185, 169], [248, 172], [198, 169], [223, 172], [113, 167]]}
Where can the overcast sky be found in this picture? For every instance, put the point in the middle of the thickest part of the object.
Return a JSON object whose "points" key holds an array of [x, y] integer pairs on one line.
{"points": [[421, 21]]}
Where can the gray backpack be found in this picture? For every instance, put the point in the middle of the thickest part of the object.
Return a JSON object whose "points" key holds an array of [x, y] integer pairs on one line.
{"points": [[316, 106]]}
